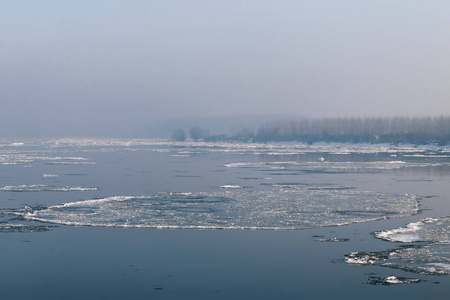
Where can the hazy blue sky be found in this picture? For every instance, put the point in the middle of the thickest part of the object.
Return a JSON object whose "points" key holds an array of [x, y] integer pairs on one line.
{"points": [[85, 63]]}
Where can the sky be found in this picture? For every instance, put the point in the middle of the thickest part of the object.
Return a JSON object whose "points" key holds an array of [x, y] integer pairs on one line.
{"points": [[79, 67]]}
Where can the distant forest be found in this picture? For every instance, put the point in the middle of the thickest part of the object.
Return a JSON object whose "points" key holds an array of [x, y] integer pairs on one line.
{"points": [[394, 130]]}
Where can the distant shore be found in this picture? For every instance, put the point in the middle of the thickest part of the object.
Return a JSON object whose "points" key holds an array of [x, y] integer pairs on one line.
{"points": [[375, 130]]}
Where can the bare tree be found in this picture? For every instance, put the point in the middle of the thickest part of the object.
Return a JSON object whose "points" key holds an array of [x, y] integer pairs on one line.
{"points": [[417, 130], [196, 133], [178, 135]]}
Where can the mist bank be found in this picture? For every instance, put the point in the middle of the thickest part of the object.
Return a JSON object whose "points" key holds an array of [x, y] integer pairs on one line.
{"points": [[244, 128], [396, 130]]}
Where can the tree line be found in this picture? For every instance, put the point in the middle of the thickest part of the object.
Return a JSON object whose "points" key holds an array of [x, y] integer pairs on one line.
{"points": [[415, 130]]}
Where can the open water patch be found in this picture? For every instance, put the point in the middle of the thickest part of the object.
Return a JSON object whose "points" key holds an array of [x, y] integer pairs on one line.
{"points": [[294, 208]]}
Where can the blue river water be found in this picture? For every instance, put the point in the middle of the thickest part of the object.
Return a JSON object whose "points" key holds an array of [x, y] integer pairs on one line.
{"points": [[106, 218]]}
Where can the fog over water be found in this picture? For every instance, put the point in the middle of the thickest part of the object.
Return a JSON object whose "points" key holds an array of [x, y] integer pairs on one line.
{"points": [[135, 68]]}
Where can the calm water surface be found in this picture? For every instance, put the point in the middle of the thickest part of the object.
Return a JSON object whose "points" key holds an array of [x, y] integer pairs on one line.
{"points": [[148, 216]]}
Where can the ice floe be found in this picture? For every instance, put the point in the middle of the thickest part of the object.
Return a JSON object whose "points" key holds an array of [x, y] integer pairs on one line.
{"points": [[430, 253], [49, 175], [373, 280], [45, 188], [330, 167], [231, 186], [295, 208], [425, 230], [7, 228], [333, 240]]}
